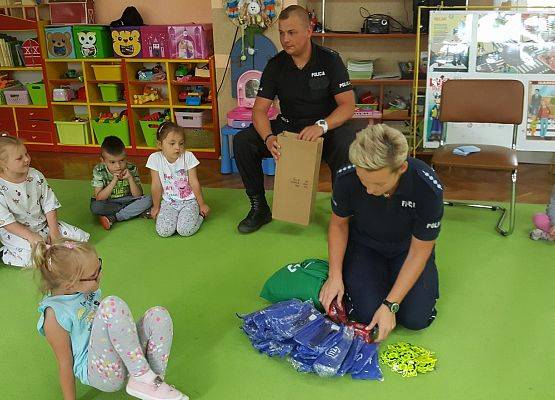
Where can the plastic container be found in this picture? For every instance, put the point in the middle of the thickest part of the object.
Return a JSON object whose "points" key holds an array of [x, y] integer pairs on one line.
{"points": [[192, 119], [92, 41], [191, 41], [37, 91], [149, 129], [59, 42], [110, 91], [17, 95], [120, 129], [126, 41], [72, 132], [154, 41], [107, 72]]}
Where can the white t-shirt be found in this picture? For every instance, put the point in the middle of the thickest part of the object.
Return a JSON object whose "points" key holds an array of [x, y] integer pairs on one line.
{"points": [[174, 176], [27, 202]]}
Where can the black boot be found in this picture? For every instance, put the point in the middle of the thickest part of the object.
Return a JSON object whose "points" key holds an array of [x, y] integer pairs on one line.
{"points": [[259, 214]]}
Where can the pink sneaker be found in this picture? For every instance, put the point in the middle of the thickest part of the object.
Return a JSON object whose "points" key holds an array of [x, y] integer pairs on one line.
{"points": [[157, 390]]}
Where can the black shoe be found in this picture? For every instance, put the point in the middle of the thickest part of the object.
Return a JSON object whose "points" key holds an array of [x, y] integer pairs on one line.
{"points": [[258, 215]]}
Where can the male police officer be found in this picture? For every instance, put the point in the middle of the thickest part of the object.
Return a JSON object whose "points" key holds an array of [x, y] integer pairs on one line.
{"points": [[316, 99], [386, 217]]}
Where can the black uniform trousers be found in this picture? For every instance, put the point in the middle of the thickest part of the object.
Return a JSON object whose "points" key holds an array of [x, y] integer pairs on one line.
{"points": [[369, 275], [249, 149]]}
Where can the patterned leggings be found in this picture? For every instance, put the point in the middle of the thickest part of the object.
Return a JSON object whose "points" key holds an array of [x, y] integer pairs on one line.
{"points": [[184, 218], [119, 348]]}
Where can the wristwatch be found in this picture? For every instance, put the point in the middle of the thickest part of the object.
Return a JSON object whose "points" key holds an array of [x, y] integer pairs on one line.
{"points": [[393, 307], [323, 124]]}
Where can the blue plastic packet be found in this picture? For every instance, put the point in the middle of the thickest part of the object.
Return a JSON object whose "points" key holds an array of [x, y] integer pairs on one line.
{"points": [[329, 362], [371, 370], [319, 335], [363, 357], [350, 357], [302, 362], [289, 325]]}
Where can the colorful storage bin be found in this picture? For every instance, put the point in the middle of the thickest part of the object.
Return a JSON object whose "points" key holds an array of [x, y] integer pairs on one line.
{"points": [[37, 92], [191, 41], [73, 132], [107, 72], [92, 41], [17, 95], [192, 119], [199, 139], [155, 42], [59, 42], [149, 129], [110, 91], [120, 129], [126, 41]]}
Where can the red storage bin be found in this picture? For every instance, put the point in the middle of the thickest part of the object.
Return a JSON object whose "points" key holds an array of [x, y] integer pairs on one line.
{"points": [[154, 41], [69, 13]]}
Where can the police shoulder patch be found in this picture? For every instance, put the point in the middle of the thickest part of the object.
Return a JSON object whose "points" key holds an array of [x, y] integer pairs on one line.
{"points": [[431, 180], [347, 169]]}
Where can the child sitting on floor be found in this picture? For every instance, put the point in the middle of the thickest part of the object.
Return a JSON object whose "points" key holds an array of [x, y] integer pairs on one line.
{"points": [[118, 195], [545, 222], [27, 206], [97, 341], [177, 199]]}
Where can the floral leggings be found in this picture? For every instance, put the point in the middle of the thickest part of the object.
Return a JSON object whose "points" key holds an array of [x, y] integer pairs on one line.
{"points": [[119, 348]]}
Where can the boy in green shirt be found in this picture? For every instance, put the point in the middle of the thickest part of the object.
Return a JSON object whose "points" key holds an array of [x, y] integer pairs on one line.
{"points": [[118, 195]]}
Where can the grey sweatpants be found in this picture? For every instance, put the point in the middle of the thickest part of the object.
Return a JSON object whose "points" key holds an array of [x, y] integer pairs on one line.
{"points": [[183, 218], [118, 347], [123, 208]]}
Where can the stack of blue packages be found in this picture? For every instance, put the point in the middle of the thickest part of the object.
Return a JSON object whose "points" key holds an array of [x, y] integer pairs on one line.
{"points": [[311, 342]]}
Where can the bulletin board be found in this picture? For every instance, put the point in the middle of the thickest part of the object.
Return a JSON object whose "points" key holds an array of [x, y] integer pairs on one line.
{"points": [[494, 45]]}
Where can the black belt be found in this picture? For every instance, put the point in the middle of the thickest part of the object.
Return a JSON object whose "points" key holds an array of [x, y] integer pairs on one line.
{"points": [[299, 122]]}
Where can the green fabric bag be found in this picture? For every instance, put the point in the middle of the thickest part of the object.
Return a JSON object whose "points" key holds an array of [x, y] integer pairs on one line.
{"points": [[301, 281]]}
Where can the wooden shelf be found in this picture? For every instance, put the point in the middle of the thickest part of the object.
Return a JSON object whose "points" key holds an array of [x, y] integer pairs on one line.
{"points": [[20, 68], [110, 104], [104, 81], [385, 82], [206, 106], [193, 82], [365, 35], [75, 81], [9, 23], [165, 60], [79, 60], [21, 106], [151, 104], [69, 103], [146, 83]]}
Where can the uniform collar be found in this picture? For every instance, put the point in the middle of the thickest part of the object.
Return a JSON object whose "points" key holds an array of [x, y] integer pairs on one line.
{"points": [[313, 58], [405, 182]]}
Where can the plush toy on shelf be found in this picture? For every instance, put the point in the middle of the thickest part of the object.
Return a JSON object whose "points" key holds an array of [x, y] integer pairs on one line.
{"points": [[149, 94]]}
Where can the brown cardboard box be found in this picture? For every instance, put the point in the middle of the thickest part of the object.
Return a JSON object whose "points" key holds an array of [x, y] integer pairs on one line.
{"points": [[296, 180]]}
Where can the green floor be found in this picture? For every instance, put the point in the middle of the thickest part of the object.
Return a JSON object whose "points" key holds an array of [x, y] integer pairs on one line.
{"points": [[492, 335]]}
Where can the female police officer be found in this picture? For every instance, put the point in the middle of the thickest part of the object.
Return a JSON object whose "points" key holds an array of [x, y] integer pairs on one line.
{"points": [[386, 216]]}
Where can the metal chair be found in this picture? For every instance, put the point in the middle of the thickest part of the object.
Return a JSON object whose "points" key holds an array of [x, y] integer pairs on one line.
{"points": [[483, 101]]}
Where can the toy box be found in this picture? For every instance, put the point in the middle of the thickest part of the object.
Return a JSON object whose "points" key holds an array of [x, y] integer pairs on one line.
{"points": [[17, 95], [191, 41], [154, 41], [92, 41], [69, 13], [59, 42], [126, 41], [31, 53]]}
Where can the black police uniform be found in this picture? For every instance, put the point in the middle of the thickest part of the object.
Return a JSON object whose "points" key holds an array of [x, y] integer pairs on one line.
{"points": [[380, 233], [306, 96]]}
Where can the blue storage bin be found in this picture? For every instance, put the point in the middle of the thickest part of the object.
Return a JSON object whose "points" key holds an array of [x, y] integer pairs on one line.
{"points": [[59, 42]]}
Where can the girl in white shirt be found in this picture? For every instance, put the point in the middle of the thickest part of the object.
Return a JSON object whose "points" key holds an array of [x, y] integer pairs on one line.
{"points": [[27, 206], [178, 205]]}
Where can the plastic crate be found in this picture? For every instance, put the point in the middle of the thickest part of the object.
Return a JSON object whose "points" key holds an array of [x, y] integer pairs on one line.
{"points": [[37, 91], [92, 41], [192, 119], [72, 132], [17, 95], [149, 129], [126, 41], [120, 129], [110, 91], [199, 139], [107, 72], [59, 40]]}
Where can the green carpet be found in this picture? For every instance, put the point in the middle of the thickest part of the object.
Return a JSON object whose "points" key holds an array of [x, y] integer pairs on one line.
{"points": [[493, 335]]}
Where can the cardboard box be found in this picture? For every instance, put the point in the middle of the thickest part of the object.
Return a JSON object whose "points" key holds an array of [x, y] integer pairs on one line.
{"points": [[296, 181]]}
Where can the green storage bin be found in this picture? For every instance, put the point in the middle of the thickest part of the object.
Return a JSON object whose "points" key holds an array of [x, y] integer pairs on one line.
{"points": [[37, 91], [92, 41], [2, 97], [71, 132], [110, 91], [120, 129], [149, 129]]}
